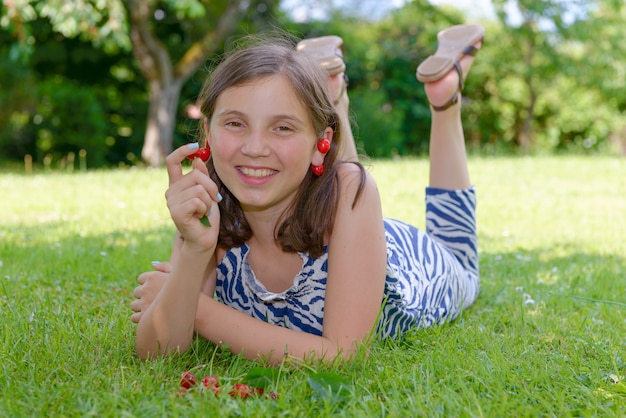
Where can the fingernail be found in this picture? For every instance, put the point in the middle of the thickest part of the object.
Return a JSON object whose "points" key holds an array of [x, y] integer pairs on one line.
{"points": [[154, 263], [219, 197], [193, 145]]}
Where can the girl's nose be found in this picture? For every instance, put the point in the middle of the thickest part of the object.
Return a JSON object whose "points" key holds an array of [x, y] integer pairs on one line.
{"points": [[255, 145]]}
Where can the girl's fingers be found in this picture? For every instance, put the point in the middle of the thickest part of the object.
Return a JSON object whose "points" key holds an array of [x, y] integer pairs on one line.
{"points": [[163, 267], [174, 161], [200, 165], [135, 306], [136, 317]]}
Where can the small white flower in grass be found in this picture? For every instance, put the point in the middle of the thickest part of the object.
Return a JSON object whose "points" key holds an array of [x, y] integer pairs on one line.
{"points": [[528, 300], [519, 289], [31, 317], [103, 253], [0, 263]]}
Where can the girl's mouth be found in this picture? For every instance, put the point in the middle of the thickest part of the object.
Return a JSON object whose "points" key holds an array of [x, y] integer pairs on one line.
{"points": [[256, 172]]}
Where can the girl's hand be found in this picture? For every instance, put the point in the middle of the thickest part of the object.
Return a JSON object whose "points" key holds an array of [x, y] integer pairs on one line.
{"points": [[190, 197], [150, 284]]}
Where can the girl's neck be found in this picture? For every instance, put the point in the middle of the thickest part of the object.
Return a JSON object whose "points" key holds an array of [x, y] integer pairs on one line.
{"points": [[263, 225]]}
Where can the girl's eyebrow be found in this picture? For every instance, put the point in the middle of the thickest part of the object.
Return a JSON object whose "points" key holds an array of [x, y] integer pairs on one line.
{"points": [[291, 118], [228, 112]]}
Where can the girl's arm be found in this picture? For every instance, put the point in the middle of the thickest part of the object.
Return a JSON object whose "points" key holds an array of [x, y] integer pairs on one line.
{"points": [[167, 325], [354, 291]]}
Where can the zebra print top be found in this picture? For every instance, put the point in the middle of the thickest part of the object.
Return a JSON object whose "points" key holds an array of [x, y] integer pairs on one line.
{"points": [[431, 277]]}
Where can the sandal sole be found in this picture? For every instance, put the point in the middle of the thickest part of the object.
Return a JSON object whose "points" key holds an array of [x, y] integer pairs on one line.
{"points": [[327, 51], [452, 45]]}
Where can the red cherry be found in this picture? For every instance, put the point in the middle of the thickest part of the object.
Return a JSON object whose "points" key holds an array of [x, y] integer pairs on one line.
{"points": [[323, 145], [202, 153], [212, 384], [187, 380], [318, 170], [241, 390]]}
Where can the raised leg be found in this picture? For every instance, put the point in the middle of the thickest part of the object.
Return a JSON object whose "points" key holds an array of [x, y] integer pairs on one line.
{"points": [[337, 86], [328, 52], [448, 158]]}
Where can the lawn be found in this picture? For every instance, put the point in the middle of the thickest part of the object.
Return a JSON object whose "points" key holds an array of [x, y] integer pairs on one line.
{"points": [[547, 336]]}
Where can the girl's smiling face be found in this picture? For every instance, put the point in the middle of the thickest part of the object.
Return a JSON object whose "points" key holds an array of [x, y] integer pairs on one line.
{"points": [[263, 142]]}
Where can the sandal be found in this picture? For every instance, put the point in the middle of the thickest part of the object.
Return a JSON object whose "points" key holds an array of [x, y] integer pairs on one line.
{"points": [[327, 50], [454, 43]]}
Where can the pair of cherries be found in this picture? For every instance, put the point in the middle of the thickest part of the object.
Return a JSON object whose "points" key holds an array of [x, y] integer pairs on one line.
{"points": [[202, 153]]}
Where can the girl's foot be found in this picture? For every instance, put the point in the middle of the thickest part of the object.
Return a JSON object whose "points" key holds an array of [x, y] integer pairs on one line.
{"points": [[328, 52], [456, 50]]}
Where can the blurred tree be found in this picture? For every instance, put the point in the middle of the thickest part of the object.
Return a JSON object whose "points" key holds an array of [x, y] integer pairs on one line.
{"points": [[166, 70], [559, 72], [383, 48], [166, 57]]}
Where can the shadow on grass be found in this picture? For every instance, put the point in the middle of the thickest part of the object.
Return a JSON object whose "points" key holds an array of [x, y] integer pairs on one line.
{"points": [[563, 271]]}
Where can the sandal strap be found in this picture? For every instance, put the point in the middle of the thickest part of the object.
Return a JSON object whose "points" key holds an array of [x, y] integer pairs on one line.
{"points": [[455, 98], [471, 50]]}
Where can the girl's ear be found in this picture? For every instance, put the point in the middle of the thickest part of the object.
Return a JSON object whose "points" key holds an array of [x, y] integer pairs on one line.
{"points": [[318, 156]]}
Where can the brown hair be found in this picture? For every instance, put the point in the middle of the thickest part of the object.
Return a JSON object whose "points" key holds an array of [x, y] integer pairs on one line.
{"points": [[303, 226]]}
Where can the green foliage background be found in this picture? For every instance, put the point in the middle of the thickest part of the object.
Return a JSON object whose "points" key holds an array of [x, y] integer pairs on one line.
{"points": [[552, 81]]}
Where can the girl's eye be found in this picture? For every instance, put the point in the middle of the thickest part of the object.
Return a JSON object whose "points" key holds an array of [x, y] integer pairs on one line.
{"points": [[283, 129], [234, 124]]}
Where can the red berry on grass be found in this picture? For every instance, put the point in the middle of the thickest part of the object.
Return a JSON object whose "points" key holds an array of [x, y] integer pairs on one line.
{"points": [[212, 384], [241, 390], [187, 380]]}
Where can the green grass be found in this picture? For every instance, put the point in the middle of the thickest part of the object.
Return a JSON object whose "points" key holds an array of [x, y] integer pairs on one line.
{"points": [[547, 336]]}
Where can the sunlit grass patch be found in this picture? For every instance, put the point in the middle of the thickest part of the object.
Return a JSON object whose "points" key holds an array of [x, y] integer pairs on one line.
{"points": [[547, 335]]}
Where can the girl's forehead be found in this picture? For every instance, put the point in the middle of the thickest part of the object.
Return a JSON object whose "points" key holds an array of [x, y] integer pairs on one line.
{"points": [[274, 90], [261, 81]]}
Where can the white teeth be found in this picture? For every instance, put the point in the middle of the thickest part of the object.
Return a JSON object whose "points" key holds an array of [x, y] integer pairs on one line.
{"points": [[262, 172]]}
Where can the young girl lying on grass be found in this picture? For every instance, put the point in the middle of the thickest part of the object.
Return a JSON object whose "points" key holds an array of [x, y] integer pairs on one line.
{"points": [[298, 259]]}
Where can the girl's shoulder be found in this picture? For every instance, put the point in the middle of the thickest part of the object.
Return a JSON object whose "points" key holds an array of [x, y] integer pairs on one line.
{"points": [[354, 180], [357, 188]]}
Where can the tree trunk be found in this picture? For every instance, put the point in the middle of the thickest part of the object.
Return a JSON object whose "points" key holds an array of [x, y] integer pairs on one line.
{"points": [[525, 136], [165, 79], [159, 136]]}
